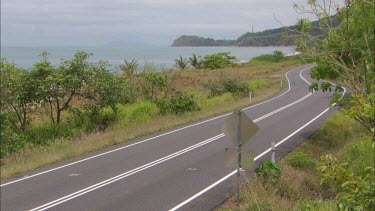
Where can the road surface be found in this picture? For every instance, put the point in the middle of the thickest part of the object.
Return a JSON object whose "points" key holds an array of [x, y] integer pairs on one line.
{"points": [[179, 169]]}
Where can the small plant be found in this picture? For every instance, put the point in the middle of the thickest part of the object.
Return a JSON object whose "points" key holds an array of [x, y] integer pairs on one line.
{"points": [[181, 63], [354, 192], [129, 67], [177, 104], [268, 171], [235, 87], [215, 89], [195, 61], [300, 160], [219, 60]]}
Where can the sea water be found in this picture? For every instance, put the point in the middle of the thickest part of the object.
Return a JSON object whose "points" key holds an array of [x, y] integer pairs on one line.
{"points": [[162, 57]]}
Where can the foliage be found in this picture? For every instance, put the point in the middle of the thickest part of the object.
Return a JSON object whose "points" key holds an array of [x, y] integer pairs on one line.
{"points": [[257, 84], [195, 61], [276, 56], [314, 205], [215, 89], [355, 192], [268, 171], [178, 103], [181, 63], [218, 60], [236, 87], [300, 160], [135, 113], [129, 67], [199, 41], [17, 94], [155, 82], [345, 53]]}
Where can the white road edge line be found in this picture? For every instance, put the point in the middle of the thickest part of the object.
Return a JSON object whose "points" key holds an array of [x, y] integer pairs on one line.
{"points": [[124, 175], [255, 159], [148, 165], [149, 139]]}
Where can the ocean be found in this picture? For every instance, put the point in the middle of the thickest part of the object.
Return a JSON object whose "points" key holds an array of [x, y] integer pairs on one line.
{"points": [[162, 57]]}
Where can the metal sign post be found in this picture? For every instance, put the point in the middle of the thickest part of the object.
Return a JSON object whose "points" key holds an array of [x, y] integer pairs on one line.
{"points": [[238, 156], [239, 128]]}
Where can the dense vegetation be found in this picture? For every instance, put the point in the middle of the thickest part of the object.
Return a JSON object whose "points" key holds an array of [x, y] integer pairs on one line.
{"points": [[335, 169], [272, 37], [48, 103], [200, 41], [309, 180]]}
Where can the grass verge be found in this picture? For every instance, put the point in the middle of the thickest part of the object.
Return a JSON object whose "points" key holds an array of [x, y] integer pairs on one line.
{"points": [[63, 149], [299, 186]]}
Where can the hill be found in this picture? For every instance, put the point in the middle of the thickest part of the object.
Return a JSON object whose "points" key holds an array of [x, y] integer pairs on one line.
{"points": [[270, 37]]}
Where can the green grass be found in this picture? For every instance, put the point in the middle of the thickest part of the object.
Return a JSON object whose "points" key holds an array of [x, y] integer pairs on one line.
{"points": [[142, 118], [299, 186]]}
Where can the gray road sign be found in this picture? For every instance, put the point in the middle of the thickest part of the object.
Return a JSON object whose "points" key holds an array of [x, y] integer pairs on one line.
{"points": [[247, 127]]}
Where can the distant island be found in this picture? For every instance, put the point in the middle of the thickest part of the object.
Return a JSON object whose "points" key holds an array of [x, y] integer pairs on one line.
{"points": [[271, 37]]}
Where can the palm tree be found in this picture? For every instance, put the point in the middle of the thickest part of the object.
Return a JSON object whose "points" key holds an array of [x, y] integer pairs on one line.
{"points": [[129, 67], [195, 61], [181, 63]]}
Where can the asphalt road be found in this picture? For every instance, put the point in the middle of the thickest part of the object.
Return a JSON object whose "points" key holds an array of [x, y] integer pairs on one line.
{"points": [[164, 171]]}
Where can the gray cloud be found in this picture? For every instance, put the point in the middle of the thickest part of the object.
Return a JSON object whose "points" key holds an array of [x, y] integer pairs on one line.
{"points": [[93, 22]]}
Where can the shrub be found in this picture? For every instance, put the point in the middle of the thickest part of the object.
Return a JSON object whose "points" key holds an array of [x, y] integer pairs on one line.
{"points": [[276, 56], [219, 60], [215, 89], [300, 160], [178, 103], [268, 171], [235, 87], [359, 154], [139, 112], [257, 84], [354, 192]]}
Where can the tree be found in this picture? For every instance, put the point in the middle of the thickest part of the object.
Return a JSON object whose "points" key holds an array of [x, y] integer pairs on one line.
{"points": [[58, 86], [345, 53], [195, 61], [129, 67], [17, 94], [104, 87], [219, 60], [181, 63]]}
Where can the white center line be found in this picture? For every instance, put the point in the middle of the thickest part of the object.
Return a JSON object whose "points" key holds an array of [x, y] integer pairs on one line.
{"points": [[152, 138], [156, 162]]}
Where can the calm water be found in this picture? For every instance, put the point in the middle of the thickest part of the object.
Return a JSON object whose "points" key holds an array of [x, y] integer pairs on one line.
{"points": [[160, 56]]}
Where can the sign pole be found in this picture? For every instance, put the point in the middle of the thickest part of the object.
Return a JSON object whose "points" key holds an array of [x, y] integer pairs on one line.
{"points": [[238, 156]]}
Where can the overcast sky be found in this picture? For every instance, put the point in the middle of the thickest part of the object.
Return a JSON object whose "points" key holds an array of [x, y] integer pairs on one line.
{"points": [[158, 22]]}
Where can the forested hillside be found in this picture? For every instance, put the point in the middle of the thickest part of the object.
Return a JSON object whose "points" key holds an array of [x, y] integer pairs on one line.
{"points": [[271, 37]]}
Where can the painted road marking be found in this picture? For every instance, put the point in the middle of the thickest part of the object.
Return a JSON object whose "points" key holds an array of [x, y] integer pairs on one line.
{"points": [[152, 138], [146, 166], [255, 159]]}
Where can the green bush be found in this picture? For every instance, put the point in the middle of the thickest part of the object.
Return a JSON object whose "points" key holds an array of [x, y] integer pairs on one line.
{"points": [[219, 60], [276, 56], [300, 160], [258, 84], [359, 154], [236, 87], [268, 171], [178, 103], [354, 192], [214, 88], [139, 112]]}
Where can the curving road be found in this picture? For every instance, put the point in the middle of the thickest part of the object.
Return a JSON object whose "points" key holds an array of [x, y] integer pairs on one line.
{"points": [[180, 169]]}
